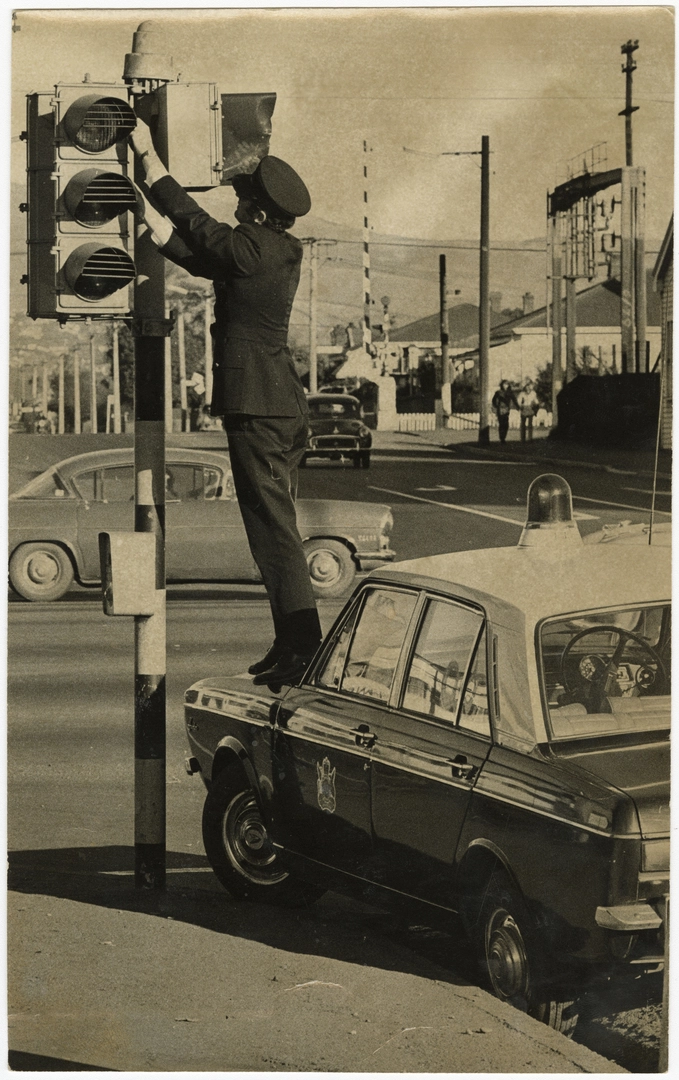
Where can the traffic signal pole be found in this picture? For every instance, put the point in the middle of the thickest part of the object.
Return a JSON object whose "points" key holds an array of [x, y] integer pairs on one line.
{"points": [[484, 295], [144, 70]]}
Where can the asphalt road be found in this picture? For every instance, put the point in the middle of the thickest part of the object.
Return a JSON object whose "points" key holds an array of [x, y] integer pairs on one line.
{"points": [[70, 820]]}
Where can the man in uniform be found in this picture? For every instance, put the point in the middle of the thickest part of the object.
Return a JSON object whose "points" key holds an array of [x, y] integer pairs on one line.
{"points": [[255, 268]]}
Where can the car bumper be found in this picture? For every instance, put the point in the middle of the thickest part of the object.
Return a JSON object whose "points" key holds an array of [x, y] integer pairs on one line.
{"points": [[332, 446], [370, 560]]}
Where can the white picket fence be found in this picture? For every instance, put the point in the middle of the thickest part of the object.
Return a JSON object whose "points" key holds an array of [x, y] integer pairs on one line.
{"points": [[464, 421]]}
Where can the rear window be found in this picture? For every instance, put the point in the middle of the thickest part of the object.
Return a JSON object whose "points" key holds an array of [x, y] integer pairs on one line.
{"points": [[605, 672]]}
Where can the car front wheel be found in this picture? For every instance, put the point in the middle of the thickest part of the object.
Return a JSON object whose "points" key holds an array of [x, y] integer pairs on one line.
{"points": [[239, 849], [509, 959], [331, 567], [40, 571], [365, 459]]}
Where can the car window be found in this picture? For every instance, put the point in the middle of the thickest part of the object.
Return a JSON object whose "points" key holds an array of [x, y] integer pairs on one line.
{"points": [[441, 658], [474, 712], [48, 485], [117, 484], [376, 643], [330, 674], [329, 410], [607, 671]]}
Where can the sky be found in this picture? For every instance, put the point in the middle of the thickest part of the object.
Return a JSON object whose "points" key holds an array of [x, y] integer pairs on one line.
{"points": [[543, 83]]}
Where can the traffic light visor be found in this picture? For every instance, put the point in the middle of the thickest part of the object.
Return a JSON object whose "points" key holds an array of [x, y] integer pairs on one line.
{"points": [[94, 272], [94, 197], [94, 123]]}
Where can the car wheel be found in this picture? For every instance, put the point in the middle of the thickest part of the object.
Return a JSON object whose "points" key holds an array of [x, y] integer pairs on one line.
{"points": [[40, 571], [509, 958], [303, 462], [331, 567], [365, 459], [357, 461], [239, 849]]}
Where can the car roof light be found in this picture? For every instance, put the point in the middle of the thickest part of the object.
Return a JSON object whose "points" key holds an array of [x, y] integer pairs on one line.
{"points": [[550, 525]]}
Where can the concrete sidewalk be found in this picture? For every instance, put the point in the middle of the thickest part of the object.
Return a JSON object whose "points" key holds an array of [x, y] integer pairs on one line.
{"points": [[542, 449], [191, 981]]}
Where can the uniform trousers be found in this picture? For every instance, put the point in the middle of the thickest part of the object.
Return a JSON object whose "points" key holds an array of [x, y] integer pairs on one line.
{"points": [[265, 455]]}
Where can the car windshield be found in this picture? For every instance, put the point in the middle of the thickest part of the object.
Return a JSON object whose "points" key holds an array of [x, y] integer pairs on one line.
{"points": [[48, 485], [334, 409], [606, 672]]}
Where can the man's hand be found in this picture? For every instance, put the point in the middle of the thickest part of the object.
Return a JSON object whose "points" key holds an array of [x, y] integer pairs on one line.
{"points": [[142, 142]]}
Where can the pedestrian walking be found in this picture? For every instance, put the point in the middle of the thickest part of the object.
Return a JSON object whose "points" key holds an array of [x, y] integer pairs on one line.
{"points": [[255, 268], [528, 406], [503, 402]]}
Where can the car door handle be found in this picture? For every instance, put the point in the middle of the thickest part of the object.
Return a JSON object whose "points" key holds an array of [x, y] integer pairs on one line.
{"points": [[364, 736], [462, 768]]}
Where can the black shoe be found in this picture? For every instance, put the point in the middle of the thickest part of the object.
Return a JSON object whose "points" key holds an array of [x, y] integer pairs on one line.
{"points": [[268, 661], [288, 670]]}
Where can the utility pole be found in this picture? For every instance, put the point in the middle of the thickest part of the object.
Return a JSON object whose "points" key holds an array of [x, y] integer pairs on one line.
{"points": [[93, 383], [45, 388], [628, 67], [117, 425], [440, 402], [145, 70], [484, 295], [61, 429], [168, 375], [313, 315], [367, 329], [181, 349], [208, 349], [77, 419]]}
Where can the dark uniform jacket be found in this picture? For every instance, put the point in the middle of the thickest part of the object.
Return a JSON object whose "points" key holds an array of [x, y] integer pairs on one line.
{"points": [[255, 271]]}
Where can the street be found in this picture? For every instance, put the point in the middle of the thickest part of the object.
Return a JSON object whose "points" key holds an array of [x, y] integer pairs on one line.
{"points": [[70, 830]]}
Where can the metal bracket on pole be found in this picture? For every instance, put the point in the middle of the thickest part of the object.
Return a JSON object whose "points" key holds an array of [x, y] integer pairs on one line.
{"points": [[162, 328]]}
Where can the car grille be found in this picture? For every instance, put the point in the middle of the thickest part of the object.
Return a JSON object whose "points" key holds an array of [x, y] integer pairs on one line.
{"points": [[334, 442]]}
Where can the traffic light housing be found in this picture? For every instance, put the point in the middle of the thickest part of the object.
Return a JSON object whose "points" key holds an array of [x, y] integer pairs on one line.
{"points": [[80, 236]]}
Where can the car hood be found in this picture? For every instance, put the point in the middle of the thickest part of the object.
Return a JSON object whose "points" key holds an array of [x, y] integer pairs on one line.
{"points": [[335, 512], [329, 427], [640, 769]]}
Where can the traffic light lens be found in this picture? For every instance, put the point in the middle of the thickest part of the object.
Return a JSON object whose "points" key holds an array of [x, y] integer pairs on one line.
{"points": [[96, 123], [93, 198], [95, 272]]}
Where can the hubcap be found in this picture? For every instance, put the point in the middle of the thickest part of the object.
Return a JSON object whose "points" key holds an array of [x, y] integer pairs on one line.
{"points": [[324, 567], [247, 843], [42, 569], [506, 956]]}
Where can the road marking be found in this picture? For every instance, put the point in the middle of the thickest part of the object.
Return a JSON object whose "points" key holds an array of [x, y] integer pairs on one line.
{"points": [[647, 491], [438, 487], [449, 506], [621, 506], [377, 456]]}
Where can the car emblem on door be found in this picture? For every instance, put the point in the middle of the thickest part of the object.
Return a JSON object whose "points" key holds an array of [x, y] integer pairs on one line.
{"points": [[326, 786]]}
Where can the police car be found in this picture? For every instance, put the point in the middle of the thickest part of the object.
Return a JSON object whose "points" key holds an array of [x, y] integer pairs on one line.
{"points": [[485, 733]]}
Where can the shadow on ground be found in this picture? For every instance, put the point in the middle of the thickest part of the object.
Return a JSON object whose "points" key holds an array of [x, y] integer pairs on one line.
{"points": [[619, 1020]]}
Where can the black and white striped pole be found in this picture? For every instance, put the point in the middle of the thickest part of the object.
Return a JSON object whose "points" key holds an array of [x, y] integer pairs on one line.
{"points": [[144, 70]]}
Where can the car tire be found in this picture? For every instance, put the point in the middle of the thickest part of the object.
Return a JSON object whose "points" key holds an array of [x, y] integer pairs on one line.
{"points": [[357, 460], [509, 957], [40, 571], [239, 849], [303, 462], [365, 459], [331, 567]]}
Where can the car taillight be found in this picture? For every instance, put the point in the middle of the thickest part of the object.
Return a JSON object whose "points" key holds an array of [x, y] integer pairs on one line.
{"points": [[655, 856]]}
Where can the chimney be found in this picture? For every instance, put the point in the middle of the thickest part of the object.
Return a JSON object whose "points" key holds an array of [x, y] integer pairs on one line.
{"points": [[496, 302], [528, 303]]}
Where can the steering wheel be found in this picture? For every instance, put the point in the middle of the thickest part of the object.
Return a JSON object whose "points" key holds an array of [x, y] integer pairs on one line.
{"points": [[597, 676]]}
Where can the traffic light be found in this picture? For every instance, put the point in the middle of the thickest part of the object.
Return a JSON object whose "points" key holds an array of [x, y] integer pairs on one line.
{"points": [[204, 137], [80, 237]]}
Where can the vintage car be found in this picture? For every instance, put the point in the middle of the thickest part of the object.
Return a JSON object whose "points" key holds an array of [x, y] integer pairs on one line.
{"points": [[337, 429], [485, 733], [55, 521]]}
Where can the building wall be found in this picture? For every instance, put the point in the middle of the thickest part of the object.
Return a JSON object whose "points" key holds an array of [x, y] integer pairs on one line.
{"points": [[531, 350], [666, 298]]}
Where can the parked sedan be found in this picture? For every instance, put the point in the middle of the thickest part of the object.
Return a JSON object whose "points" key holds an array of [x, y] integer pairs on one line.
{"points": [[337, 430], [55, 521], [485, 733]]}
